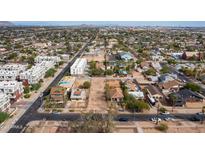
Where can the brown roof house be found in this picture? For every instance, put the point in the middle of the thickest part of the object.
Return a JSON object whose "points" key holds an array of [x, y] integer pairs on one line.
{"points": [[114, 91], [154, 92], [58, 93], [169, 86], [193, 55]]}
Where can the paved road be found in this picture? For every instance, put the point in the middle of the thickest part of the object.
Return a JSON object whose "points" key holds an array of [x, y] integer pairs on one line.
{"points": [[31, 113], [78, 116]]}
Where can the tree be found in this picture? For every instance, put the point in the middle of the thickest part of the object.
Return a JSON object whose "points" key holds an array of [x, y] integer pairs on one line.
{"points": [[173, 99], [3, 116], [192, 86], [133, 104], [26, 90], [50, 72], [162, 127], [165, 69], [12, 56], [92, 123], [162, 109], [35, 86], [150, 71], [171, 61], [27, 95], [31, 59], [86, 85]]}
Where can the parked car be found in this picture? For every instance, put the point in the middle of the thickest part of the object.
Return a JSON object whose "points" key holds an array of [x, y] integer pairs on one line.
{"points": [[198, 117], [123, 119], [169, 119], [156, 119], [165, 113]]}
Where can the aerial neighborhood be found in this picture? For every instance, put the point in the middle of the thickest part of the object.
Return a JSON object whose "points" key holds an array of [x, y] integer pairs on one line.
{"points": [[157, 73]]}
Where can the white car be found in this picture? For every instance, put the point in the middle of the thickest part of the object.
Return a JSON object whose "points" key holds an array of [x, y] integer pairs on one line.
{"points": [[155, 119], [169, 119], [165, 113]]}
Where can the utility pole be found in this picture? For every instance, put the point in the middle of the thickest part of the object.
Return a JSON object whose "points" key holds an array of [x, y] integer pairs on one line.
{"points": [[134, 115], [157, 115], [203, 111]]}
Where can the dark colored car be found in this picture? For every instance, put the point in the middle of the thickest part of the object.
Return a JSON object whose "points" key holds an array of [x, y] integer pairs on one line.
{"points": [[123, 119]]}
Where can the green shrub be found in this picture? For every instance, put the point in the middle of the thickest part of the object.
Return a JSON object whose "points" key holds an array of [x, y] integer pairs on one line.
{"points": [[27, 96], [3, 116], [86, 85], [162, 127], [162, 109]]}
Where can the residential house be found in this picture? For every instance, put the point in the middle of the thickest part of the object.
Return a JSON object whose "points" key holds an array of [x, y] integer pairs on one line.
{"points": [[184, 96], [134, 89], [193, 55], [58, 93], [153, 93], [169, 86], [167, 77], [78, 94], [145, 65], [156, 66], [115, 93], [126, 56], [156, 58]]}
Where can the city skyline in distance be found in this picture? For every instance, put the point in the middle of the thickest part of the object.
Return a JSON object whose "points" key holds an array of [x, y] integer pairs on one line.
{"points": [[113, 23]]}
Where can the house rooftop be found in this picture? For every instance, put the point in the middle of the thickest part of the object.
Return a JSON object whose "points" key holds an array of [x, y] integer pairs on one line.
{"points": [[57, 90], [153, 90]]}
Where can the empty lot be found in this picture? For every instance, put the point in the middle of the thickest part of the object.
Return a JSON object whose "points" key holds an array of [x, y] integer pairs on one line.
{"points": [[97, 100]]}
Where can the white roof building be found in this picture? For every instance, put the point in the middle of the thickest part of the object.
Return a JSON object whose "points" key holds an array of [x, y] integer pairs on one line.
{"points": [[40, 59], [8, 75], [13, 67], [12, 88], [10, 72], [4, 102], [37, 72], [78, 67]]}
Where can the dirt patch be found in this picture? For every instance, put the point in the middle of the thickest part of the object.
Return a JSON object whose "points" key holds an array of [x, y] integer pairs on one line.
{"points": [[97, 100]]}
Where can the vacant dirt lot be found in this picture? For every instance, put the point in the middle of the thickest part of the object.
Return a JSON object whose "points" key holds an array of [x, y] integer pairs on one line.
{"points": [[99, 58], [97, 100], [174, 127]]}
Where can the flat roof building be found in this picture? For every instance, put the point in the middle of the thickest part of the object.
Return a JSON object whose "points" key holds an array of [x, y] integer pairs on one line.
{"points": [[4, 102], [78, 68], [13, 89]]}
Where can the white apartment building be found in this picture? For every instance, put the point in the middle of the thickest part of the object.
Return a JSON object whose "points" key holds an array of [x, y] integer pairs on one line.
{"points": [[10, 72], [78, 67], [4, 102], [8, 75], [12, 89], [40, 59], [13, 67], [37, 72]]}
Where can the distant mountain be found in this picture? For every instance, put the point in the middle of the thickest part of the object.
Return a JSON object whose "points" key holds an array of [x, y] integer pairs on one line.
{"points": [[6, 24]]}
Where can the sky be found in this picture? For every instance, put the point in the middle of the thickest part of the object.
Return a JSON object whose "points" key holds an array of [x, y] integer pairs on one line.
{"points": [[108, 23]]}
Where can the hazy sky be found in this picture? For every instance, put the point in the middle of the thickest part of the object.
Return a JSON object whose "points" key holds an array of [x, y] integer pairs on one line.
{"points": [[120, 23]]}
